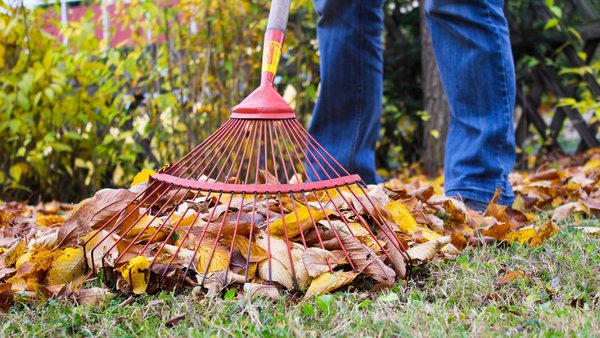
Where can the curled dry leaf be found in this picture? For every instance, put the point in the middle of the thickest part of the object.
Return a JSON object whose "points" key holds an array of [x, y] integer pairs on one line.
{"points": [[545, 231], [426, 251], [100, 245], [269, 291], [365, 260], [318, 261], [328, 282], [274, 270], [93, 296]]}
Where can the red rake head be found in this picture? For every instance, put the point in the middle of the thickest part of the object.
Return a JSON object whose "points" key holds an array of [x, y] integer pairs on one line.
{"points": [[254, 185], [258, 200]]}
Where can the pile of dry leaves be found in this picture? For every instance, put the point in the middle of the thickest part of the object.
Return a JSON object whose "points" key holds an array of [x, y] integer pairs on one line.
{"points": [[43, 255]]}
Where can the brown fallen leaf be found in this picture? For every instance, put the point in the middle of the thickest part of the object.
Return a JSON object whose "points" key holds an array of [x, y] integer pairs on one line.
{"points": [[569, 209], [92, 213], [93, 296], [269, 291], [365, 260], [318, 261], [509, 277], [173, 321], [6, 297], [545, 231]]}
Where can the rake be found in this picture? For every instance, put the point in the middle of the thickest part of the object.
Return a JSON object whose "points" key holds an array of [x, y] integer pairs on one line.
{"points": [[260, 178]]}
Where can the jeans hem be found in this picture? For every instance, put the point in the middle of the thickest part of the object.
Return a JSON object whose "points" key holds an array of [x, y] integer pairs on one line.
{"points": [[481, 194]]}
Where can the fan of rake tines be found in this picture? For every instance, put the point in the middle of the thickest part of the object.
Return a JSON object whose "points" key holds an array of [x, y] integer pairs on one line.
{"points": [[249, 202]]}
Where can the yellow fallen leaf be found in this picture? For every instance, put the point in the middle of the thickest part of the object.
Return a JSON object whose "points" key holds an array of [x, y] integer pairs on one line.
{"points": [[242, 243], [403, 218], [426, 251], [18, 284], [328, 282], [142, 176], [592, 165], [9, 256], [292, 224], [42, 262], [136, 274], [49, 220], [521, 236], [187, 220], [148, 225], [219, 260], [23, 259], [68, 267]]}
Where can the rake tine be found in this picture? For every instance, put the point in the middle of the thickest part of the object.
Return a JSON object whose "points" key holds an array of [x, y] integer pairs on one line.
{"points": [[216, 243], [199, 150], [335, 231], [145, 228], [163, 223], [185, 236], [250, 238], [210, 217], [288, 242], [399, 246], [269, 240], [120, 223], [237, 221], [169, 236]]}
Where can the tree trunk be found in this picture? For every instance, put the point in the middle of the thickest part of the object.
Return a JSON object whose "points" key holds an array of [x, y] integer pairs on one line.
{"points": [[434, 102]]}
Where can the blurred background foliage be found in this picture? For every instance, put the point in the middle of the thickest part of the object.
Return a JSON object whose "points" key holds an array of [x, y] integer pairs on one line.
{"points": [[83, 115]]}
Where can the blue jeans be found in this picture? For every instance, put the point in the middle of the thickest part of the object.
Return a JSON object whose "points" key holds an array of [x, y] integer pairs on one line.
{"points": [[472, 49]]}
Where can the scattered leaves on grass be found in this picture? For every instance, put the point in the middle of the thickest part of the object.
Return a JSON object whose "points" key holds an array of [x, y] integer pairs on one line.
{"points": [[312, 242]]}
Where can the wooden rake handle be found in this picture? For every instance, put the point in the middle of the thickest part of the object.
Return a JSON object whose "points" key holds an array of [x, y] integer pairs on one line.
{"points": [[278, 16]]}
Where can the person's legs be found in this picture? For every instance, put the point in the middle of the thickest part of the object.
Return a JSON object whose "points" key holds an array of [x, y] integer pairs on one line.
{"points": [[472, 49], [346, 118]]}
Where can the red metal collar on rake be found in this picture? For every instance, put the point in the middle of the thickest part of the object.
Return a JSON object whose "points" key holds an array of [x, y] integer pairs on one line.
{"points": [[259, 180]]}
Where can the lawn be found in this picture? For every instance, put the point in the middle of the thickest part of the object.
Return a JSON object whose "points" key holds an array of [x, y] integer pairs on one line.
{"points": [[558, 294]]}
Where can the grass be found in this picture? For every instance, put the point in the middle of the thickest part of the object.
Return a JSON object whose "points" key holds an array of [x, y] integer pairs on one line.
{"points": [[560, 297]]}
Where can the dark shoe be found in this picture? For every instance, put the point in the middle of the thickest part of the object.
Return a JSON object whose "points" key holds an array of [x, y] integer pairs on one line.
{"points": [[475, 205]]}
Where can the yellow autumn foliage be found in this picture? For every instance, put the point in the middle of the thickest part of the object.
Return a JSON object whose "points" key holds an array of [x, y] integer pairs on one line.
{"points": [[297, 221], [136, 274], [69, 267], [142, 176]]}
